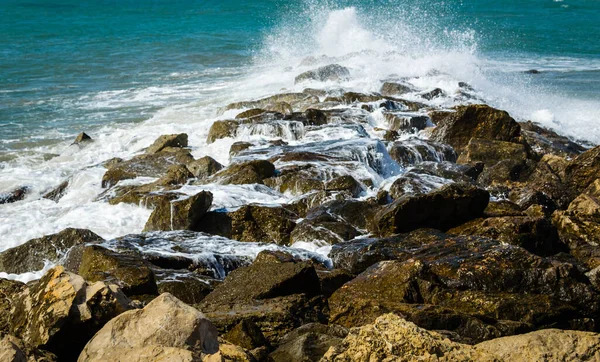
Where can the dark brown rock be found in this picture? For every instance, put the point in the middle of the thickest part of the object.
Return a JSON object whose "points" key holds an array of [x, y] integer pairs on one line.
{"points": [[393, 89], [204, 167], [182, 214], [245, 173], [171, 140]]}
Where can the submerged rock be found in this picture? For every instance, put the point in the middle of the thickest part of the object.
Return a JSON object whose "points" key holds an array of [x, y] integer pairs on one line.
{"points": [[58, 192], [393, 89], [165, 329], [81, 138], [14, 195], [33, 255]]}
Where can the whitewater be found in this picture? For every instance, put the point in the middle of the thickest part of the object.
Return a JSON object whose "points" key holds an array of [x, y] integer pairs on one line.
{"points": [[373, 46]]}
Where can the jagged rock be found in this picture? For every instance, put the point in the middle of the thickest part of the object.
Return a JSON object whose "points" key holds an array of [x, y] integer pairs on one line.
{"points": [[332, 280], [33, 254], [190, 289], [448, 170], [204, 167], [502, 208], [546, 141], [449, 206], [415, 183], [345, 183], [163, 325], [58, 192], [130, 272], [583, 170], [238, 147], [308, 343], [221, 129], [404, 122], [147, 165], [504, 171], [247, 335], [179, 214], [475, 121], [61, 312], [170, 140], [9, 289], [332, 72], [230, 353], [476, 287], [391, 338], [296, 100], [435, 93], [393, 89], [491, 152], [415, 150], [14, 195], [82, 137], [249, 172], [12, 349], [297, 180], [536, 235], [324, 228]]}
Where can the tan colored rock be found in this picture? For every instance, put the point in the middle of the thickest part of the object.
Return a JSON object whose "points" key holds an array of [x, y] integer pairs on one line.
{"points": [[165, 324], [9, 351], [229, 353], [168, 140]]}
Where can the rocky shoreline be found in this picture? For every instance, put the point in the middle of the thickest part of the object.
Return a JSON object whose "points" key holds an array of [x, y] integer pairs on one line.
{"points": [[452, 235]]}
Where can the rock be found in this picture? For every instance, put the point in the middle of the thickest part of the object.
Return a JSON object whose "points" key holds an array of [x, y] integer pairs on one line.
{"points": [[266, 278], [477, 288], [230, 353], [506, 171], [250, 113], [536, 235], [296, 100], [9, 289], [393, 89], [280, 107], [544, 141], [448, 170], [247, 335], [81, 138], [164, 324], [130, 272], [332, 72], [475, 121], [345, 183], [14, 195], [251, 223], [297, 180], [442, 209], [545, 345], [238, 147], [249, 172], [391, 338], [12, 349], [491, 152], [147, 165], [414, 183], [583, 170], [221, 129], [405, 122], [502, 208], [190, 289], [324, 228], [415, 150], [33, 254], [57, 193], [175, 175], [182, 214], [437, 92], [61, 312], [308, 343], [171, 140], [332, 280]]}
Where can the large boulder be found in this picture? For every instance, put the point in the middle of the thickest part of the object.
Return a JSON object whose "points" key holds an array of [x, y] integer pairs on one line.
{"points": [[61, 312], [449, 206], [490, 152], [13, 349], [128, 271], [394, 89], [165, 328], [170, 140], [32, 255], [332, 72], [204, 167], [181, 214], [251, 223], [414, 150], [476, 121], [308, 343]]}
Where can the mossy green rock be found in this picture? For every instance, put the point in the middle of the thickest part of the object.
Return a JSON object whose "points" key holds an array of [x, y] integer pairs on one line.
{"points": [[32, 255]]}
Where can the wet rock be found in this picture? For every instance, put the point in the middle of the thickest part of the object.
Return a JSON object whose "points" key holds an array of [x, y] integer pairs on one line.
{"points": [[506, 171], [188, 288], [246, 334], [323, 228], [81, 138], [414, 183], [250, 113], [474, 121], [128, 271], [61, 312], [405, 123], [345, 183], [391, 338], [393, 89], [9, 289], [415, 150], [238, 147], [147, 165], [171, 140], [164, 325], [332, 72], [332, 280], [502, 208], [297, 180], [250, 172], [437, 92], [544, 141], [449, 206], [222, 129], [181, 214], [32, 255], [448, 170], [308, 343], [491, 152], [14, 195], [280, 107], [251, 223], [536, 235], [58, 192], [295, 100]]}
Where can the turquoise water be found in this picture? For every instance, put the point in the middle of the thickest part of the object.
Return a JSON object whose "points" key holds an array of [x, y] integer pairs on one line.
{"points": [[69, 66]]}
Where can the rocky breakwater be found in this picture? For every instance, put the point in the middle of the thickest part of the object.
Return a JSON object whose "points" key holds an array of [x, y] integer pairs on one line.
{"points": [[346, 226]]}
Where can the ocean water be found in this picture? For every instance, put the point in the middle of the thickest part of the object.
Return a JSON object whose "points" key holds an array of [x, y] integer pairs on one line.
{"points": [[128, 71]]}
